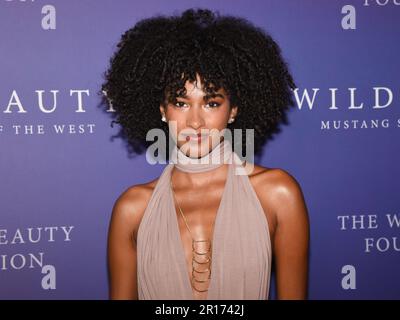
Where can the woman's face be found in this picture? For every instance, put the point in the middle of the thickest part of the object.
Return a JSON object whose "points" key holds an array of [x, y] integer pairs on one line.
{"points": [[198, 113]]}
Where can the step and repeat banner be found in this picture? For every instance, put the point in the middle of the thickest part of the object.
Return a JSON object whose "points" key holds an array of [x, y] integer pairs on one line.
{"points": [[62, 165]]}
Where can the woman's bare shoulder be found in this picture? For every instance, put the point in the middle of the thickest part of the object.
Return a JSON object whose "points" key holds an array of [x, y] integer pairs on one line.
{"points": [[137, 195], [130, 206], [279, 189], [276, 178]]}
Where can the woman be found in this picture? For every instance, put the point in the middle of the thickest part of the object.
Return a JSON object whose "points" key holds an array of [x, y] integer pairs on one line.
{"points": [[200, 231]]}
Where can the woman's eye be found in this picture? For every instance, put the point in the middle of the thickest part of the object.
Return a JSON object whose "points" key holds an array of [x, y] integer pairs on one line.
{"points": [[180, 104], [213, 104]]}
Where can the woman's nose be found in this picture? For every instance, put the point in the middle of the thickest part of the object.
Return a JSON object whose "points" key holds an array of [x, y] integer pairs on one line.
{"points": [[195, 119]]}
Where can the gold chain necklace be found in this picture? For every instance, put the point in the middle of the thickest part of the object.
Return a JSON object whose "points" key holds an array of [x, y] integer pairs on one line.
{"points": [[205, 261]]}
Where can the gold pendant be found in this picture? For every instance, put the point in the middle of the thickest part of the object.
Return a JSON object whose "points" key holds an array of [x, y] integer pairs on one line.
{"points": [[201, 258]]}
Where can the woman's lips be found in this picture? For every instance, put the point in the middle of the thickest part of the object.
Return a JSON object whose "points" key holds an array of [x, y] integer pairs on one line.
{"points": [[197, 137]]}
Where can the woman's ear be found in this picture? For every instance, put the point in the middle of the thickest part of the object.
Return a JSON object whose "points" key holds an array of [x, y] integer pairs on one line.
{"points": [[162, 111], [234, 111]]}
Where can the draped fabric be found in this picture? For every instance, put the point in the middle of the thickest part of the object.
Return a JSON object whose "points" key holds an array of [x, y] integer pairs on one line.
{"points": [[241, 246]]}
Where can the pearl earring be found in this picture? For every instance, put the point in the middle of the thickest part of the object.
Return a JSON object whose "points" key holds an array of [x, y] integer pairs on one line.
{"points": [[231, 120], [163, 119]]}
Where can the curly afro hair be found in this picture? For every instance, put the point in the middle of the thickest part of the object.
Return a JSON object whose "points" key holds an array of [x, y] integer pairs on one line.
{"points": [[158, 55]]}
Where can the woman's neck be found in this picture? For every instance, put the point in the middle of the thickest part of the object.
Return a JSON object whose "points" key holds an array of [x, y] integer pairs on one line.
{"points": [[199, 171]]}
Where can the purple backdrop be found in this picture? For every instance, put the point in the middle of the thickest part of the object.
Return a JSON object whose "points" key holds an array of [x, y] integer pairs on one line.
{"points": [[57, 188]]}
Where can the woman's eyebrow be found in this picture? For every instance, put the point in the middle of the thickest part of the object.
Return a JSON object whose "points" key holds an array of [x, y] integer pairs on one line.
{"points": [[205, 97], [213, 95]]}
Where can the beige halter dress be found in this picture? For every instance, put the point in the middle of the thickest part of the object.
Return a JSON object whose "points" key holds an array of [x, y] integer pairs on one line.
{"points": [[241, 244]]}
